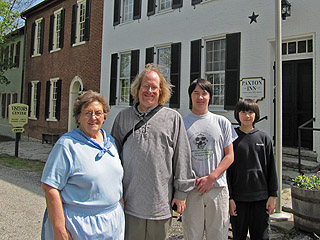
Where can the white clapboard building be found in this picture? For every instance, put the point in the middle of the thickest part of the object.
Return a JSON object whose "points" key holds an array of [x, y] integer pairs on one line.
{"points": [[231, 43]]}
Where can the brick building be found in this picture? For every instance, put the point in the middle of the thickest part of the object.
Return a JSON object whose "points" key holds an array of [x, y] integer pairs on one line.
{"points": [[62, 58]]}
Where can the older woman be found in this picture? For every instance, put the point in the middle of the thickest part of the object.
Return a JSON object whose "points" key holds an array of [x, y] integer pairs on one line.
{"points": [[82, 178]]}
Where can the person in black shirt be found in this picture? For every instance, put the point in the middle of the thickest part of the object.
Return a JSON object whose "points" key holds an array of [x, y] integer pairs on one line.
{"points": [[252, 178]]}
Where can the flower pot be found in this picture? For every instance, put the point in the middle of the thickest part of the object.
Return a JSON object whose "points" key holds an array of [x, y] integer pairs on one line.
{"points": [[306, 209]]}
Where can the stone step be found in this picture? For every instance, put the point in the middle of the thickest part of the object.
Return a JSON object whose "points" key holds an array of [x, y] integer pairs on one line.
{"points": [[292, 163], [288, 175], [305, 154]]}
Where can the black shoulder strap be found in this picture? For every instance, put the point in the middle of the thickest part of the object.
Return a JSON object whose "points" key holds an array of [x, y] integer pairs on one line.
{"points": [[141, 122]]}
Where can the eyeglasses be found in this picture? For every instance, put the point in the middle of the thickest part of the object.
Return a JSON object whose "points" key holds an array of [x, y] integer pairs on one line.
{"points": [[96, 114], [151, 88]]}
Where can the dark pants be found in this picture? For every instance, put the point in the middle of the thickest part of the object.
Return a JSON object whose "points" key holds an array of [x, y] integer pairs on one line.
{"points": [[252, 216]]}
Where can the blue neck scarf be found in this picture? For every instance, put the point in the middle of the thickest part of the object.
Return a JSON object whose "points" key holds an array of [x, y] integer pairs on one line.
{"points": [[81, 137]]}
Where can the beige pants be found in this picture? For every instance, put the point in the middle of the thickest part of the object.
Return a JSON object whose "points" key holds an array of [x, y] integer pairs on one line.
{"points": [[144, 229], [206, 213]]}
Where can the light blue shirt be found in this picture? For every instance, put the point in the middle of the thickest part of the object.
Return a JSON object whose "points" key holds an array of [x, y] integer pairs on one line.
{"points": [[83, 178]]}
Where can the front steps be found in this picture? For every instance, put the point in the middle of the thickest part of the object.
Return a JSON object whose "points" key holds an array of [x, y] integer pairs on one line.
{"points": [[290, 167]]}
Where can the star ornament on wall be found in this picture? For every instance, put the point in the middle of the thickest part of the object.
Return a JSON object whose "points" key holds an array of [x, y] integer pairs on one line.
{"points": [[253, 17]]}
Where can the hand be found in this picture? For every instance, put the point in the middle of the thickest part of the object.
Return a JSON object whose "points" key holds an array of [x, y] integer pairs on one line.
{"points": [[65, 235], [271, 205], [181, 204], [205, 184], [232, 208]]}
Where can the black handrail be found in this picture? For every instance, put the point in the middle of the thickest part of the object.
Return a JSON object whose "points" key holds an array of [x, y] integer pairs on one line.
{"points": [[303, 127], [264, 118]]}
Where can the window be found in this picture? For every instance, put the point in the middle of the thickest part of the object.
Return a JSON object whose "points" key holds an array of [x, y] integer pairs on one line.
{"points": [[80, 26], [162, 6], [34, 97], [165, 5], [124, 79], [53, 99], [56, 30], [37, 37], [221, 67], [297, 47], [164, 61], [126, 10], [120, 81], [215, 69]]}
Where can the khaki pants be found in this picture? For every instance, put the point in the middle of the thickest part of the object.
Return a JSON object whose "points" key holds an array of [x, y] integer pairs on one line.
{"points": [[145, 229], [206, 213]]}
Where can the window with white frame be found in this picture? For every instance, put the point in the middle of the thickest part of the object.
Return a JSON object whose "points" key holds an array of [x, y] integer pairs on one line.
{"points": [[81, 20], [57, 29], [53, 98], [124, 79], [165, 5], [164, 61], [37, 37], [34, 99], [215, 69], [127, 11], [304, 46]]}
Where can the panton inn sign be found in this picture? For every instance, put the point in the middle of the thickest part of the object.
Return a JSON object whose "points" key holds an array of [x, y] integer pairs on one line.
{"points": [[252, 88]]}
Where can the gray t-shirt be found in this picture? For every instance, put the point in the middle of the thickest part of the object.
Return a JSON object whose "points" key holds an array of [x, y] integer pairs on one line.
{"points": [[209, 135]]}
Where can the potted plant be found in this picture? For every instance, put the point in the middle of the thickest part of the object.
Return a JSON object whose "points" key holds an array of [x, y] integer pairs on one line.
{"points": [[305, 195]]}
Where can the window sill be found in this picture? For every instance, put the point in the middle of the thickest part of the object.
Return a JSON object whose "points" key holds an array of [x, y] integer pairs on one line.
{"points": [[36, 55], [51, 120], [33, 118], [55, 50], [78, 44], [217, 109]]}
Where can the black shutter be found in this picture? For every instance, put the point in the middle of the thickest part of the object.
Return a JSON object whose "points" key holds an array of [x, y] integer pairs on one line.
{"points": [[195, 60], [62, 28], [177, 4], [175, 75], [134, 68], [151, 7], [116, 13], [47, 106], [38, 99], [113, 79], [51, 32], [74, 23], [137, 9], [149, 55], [87, 22], [29, 97], [33, 32], [232, 78], [194, 2], [17, 56], [11, 53], [58, 106], [41, 36]]}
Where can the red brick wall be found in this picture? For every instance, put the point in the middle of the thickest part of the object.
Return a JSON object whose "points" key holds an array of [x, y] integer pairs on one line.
{"points": [[83, 61]]}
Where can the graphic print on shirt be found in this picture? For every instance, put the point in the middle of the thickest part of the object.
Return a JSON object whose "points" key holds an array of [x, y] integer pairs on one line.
{"points": [[202, 146]]}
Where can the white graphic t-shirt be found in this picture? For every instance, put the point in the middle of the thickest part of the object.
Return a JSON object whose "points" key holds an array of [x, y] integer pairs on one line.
{"points": [[209, 135]]}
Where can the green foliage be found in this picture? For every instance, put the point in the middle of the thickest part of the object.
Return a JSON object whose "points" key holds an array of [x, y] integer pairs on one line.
{"points": [[10, 20], [308, 181]]}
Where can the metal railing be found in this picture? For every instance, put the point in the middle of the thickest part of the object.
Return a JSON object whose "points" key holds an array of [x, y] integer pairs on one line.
{"points": [[303, 127]]}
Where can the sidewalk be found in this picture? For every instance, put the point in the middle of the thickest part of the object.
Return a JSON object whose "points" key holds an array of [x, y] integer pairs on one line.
{"points": [[33, 150]]}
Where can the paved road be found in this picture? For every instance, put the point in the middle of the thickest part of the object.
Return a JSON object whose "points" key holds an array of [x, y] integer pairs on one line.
{"points": [[22, 204]]}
